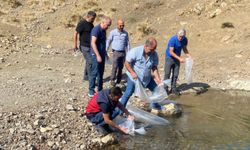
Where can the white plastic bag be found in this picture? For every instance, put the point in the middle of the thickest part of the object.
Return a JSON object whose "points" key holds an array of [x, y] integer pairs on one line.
{"points": [[77, 53], [188, 70], [140, 91]]}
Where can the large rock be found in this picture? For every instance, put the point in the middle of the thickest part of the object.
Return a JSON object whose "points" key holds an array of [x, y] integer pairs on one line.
{"points": [[171, 110], [109, 139]]}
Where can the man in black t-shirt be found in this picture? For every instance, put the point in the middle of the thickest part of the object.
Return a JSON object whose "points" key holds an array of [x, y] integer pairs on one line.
{"points": [[84, 28]]}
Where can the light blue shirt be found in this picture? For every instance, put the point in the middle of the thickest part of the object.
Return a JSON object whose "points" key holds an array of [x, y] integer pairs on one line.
{"points": [[119, 40], [140, 65]]}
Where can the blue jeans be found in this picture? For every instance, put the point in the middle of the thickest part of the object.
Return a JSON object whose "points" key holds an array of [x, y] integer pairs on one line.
{"points": [[98, 118], [131, 88], [96, 72]]}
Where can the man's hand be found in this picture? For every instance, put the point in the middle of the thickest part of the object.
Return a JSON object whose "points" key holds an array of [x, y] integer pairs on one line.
{"points": [[99, 58], [181, 60], [124, 130], [130, 117], [134, 75]]}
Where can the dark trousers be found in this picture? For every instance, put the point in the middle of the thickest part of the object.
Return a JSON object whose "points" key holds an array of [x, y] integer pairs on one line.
{"points": [[96, 72], [117, 66], [174, 66], [87, 56], [98, 117]]}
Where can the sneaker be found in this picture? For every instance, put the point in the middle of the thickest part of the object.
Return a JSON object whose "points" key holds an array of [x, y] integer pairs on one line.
{"points": [[90, 95]]}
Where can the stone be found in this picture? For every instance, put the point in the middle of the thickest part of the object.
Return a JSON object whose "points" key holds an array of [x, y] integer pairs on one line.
{"points": [[12, 130], [215, 13], [42, 129], [171, 109], [70, 108], [39, 116], [49, 47], [2, 60], [238, 55], [50, 143], [108, 139]]}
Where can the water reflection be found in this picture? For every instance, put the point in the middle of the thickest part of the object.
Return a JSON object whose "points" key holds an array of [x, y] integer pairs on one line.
{"points": [[213, 120]]}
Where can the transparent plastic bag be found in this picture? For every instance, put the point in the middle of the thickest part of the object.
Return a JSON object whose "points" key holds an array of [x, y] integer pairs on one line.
{"points": [[146, 117], [130, 125], [159, 94], [140, 91], [188, 70]]}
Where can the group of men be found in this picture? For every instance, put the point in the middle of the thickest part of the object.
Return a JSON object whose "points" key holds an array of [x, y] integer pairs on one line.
{"points": [[140, 62]]}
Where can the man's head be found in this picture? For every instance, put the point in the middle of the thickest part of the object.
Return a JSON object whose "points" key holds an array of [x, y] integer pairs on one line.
{"points": [[115, 94], [181, 34], [150, 45], [106, 22], [120, 25], [91, 15]]}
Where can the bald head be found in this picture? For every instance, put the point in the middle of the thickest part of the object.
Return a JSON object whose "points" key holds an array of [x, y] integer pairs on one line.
{"points": [[150, 45], [120, 24]]}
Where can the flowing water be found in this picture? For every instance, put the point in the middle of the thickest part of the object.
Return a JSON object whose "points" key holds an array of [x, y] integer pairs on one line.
{"points": [[214, 120]]}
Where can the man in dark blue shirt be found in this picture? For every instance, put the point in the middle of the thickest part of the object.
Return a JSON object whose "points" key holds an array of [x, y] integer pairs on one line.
{"points": [[98, 53], [104, 107], [173, 57]]}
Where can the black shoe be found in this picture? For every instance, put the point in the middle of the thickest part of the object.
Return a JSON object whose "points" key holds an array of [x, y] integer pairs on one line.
{"points": [[176, 92], [112, 83]]}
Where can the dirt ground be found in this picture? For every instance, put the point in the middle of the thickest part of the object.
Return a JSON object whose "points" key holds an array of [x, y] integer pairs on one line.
{"points": [[37, 67]]}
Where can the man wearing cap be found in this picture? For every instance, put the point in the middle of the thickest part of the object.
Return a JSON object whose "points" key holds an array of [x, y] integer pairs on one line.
{"points": [[173, 58], [120, 44]]}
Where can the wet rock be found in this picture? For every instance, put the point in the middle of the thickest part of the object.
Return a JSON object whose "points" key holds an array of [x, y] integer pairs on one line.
{"points": [[108, 139], [171, 109]]}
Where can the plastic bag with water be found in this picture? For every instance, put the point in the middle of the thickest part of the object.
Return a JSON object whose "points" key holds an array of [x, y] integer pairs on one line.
{"points": [[146, 117], [159, 94], [188, 70]]}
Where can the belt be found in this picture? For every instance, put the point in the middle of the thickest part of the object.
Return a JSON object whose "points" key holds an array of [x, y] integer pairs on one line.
{"points": [[121, 51]]}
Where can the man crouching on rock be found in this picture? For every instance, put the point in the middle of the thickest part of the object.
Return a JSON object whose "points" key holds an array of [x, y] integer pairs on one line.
{"points": [[103, 108]]}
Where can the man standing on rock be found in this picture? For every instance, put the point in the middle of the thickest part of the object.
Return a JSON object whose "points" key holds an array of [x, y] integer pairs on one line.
{"points": [[98, 53], [173, 58], [120, 44], [84, 28], [103, 108], [140, 62]]}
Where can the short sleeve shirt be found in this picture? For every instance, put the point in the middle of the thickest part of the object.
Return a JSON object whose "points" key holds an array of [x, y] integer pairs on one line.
{"points": [[84, 29], [140, 65], [100, 35], [177, 45]]}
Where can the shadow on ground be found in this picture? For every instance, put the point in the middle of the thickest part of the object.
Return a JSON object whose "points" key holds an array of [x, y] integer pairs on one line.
{"points": [[197, 87]]}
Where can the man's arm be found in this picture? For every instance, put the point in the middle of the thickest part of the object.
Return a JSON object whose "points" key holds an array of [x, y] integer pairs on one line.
{"points": [[156, 75], [109, 40], [112, 124], [128, 44], [130, 69], [94, 46], [171, 51], [119, 105], [75, 40], [186, 51]]}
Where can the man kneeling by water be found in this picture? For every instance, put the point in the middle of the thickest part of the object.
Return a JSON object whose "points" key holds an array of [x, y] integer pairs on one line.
{"points": [[103, 108]]}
